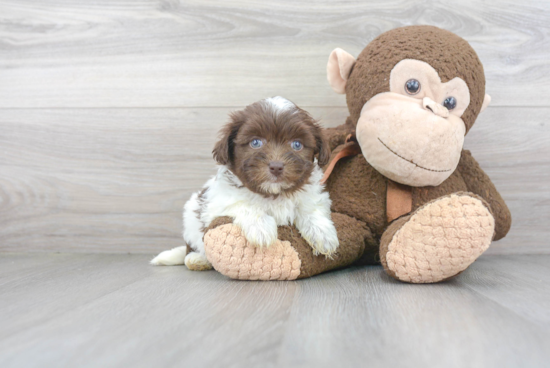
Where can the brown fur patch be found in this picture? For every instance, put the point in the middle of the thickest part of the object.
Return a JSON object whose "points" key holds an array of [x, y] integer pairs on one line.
{"points": [[353, 236], [277, 128], [202, 204]]}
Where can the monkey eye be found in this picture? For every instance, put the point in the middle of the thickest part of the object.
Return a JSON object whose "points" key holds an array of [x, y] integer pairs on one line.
{"points": [[256, 143], [296, 145], [412, 86], [450, 103]]}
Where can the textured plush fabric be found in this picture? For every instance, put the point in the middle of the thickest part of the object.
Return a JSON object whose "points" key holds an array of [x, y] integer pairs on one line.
{"points": [[230, 254], [450, 55], [359, 191], [349, 149], [337, 136], [467, 201], [338, 69], [479, 183], [289, 258], [353, 236], [439, 240]]}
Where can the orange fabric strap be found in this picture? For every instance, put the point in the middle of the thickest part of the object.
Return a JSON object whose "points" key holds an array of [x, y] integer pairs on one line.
{"points": [[352, 149], [398, 200]]}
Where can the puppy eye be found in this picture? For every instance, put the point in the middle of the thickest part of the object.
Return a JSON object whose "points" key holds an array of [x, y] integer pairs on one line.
{"points": [[256, 143], [297, 145], [412, 86], [450, 103]]}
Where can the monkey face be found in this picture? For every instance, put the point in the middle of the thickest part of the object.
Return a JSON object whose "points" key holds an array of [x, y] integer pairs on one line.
{"points": [[409, 124], [414, 133]]}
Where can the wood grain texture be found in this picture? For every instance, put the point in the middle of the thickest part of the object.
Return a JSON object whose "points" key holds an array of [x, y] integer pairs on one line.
{"points": [[108, 109], [115, 180], [161, 53], [116, 311]]}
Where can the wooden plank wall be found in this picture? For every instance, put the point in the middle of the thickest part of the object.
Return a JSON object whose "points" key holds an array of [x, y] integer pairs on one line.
{"points": [[109, 109]]}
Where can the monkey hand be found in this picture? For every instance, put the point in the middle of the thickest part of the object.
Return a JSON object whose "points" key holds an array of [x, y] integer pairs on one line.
{"points": [[290, 257]]}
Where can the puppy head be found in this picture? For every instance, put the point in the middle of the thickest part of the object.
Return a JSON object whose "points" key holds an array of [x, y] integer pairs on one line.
{"points": [[271, 146]]}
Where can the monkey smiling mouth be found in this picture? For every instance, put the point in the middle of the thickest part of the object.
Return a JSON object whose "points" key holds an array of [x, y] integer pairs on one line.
{"points": [[409, 161]]}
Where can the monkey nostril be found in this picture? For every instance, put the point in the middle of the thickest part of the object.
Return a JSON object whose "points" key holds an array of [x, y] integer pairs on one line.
{"points": [[428, 104], [276, 168], [435, 108]]}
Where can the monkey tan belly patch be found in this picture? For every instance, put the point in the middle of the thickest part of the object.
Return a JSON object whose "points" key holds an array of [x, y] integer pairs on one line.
{"points": [[232, 255], [441, 239]]}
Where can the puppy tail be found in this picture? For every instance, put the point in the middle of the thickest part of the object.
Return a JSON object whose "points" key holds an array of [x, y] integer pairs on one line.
{"points": [[171, 257]]}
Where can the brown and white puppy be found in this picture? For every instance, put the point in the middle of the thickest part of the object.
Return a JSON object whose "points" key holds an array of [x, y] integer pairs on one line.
{"points": [[269, 176]]}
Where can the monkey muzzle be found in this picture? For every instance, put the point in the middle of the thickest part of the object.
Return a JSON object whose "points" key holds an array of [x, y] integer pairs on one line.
{"points": [[410, 140], [434, 107]]}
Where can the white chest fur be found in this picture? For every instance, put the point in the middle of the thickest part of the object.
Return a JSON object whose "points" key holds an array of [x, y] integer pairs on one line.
{"points": [[225, 195]]}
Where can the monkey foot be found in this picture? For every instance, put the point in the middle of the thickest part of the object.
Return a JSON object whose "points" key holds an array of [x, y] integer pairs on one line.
{"points": [[231, 255], [437, 241]]}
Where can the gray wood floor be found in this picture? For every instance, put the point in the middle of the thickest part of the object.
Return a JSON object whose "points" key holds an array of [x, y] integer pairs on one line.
{"points": [[109, 109], [77, 310]]}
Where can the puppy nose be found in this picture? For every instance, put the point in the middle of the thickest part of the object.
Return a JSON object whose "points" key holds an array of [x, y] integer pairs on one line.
{"points": [[434, 107], [276, 167]]}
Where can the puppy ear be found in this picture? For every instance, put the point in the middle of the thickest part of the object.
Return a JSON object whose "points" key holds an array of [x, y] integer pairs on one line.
{"points": [[224, 148], [323, 147]]}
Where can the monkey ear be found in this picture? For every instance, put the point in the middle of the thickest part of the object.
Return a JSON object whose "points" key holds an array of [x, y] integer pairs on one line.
{"points": [[224, 147], [486, 102], [339, 68]]}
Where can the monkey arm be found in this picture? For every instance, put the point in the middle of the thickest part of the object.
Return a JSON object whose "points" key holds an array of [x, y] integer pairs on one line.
{"points": [[478, 182], [291, 257], [337, 136]]}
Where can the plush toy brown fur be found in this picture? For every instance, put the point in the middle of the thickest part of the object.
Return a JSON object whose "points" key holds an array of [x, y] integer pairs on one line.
{"points": [[412, 199]]}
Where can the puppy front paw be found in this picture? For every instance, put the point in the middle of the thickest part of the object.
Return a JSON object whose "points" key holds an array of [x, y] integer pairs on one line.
{"points": [[262, 233], [323, 239]]}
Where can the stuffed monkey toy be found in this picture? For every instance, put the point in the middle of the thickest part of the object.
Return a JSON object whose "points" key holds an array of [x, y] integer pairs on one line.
{"points": [[404, 192]]}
